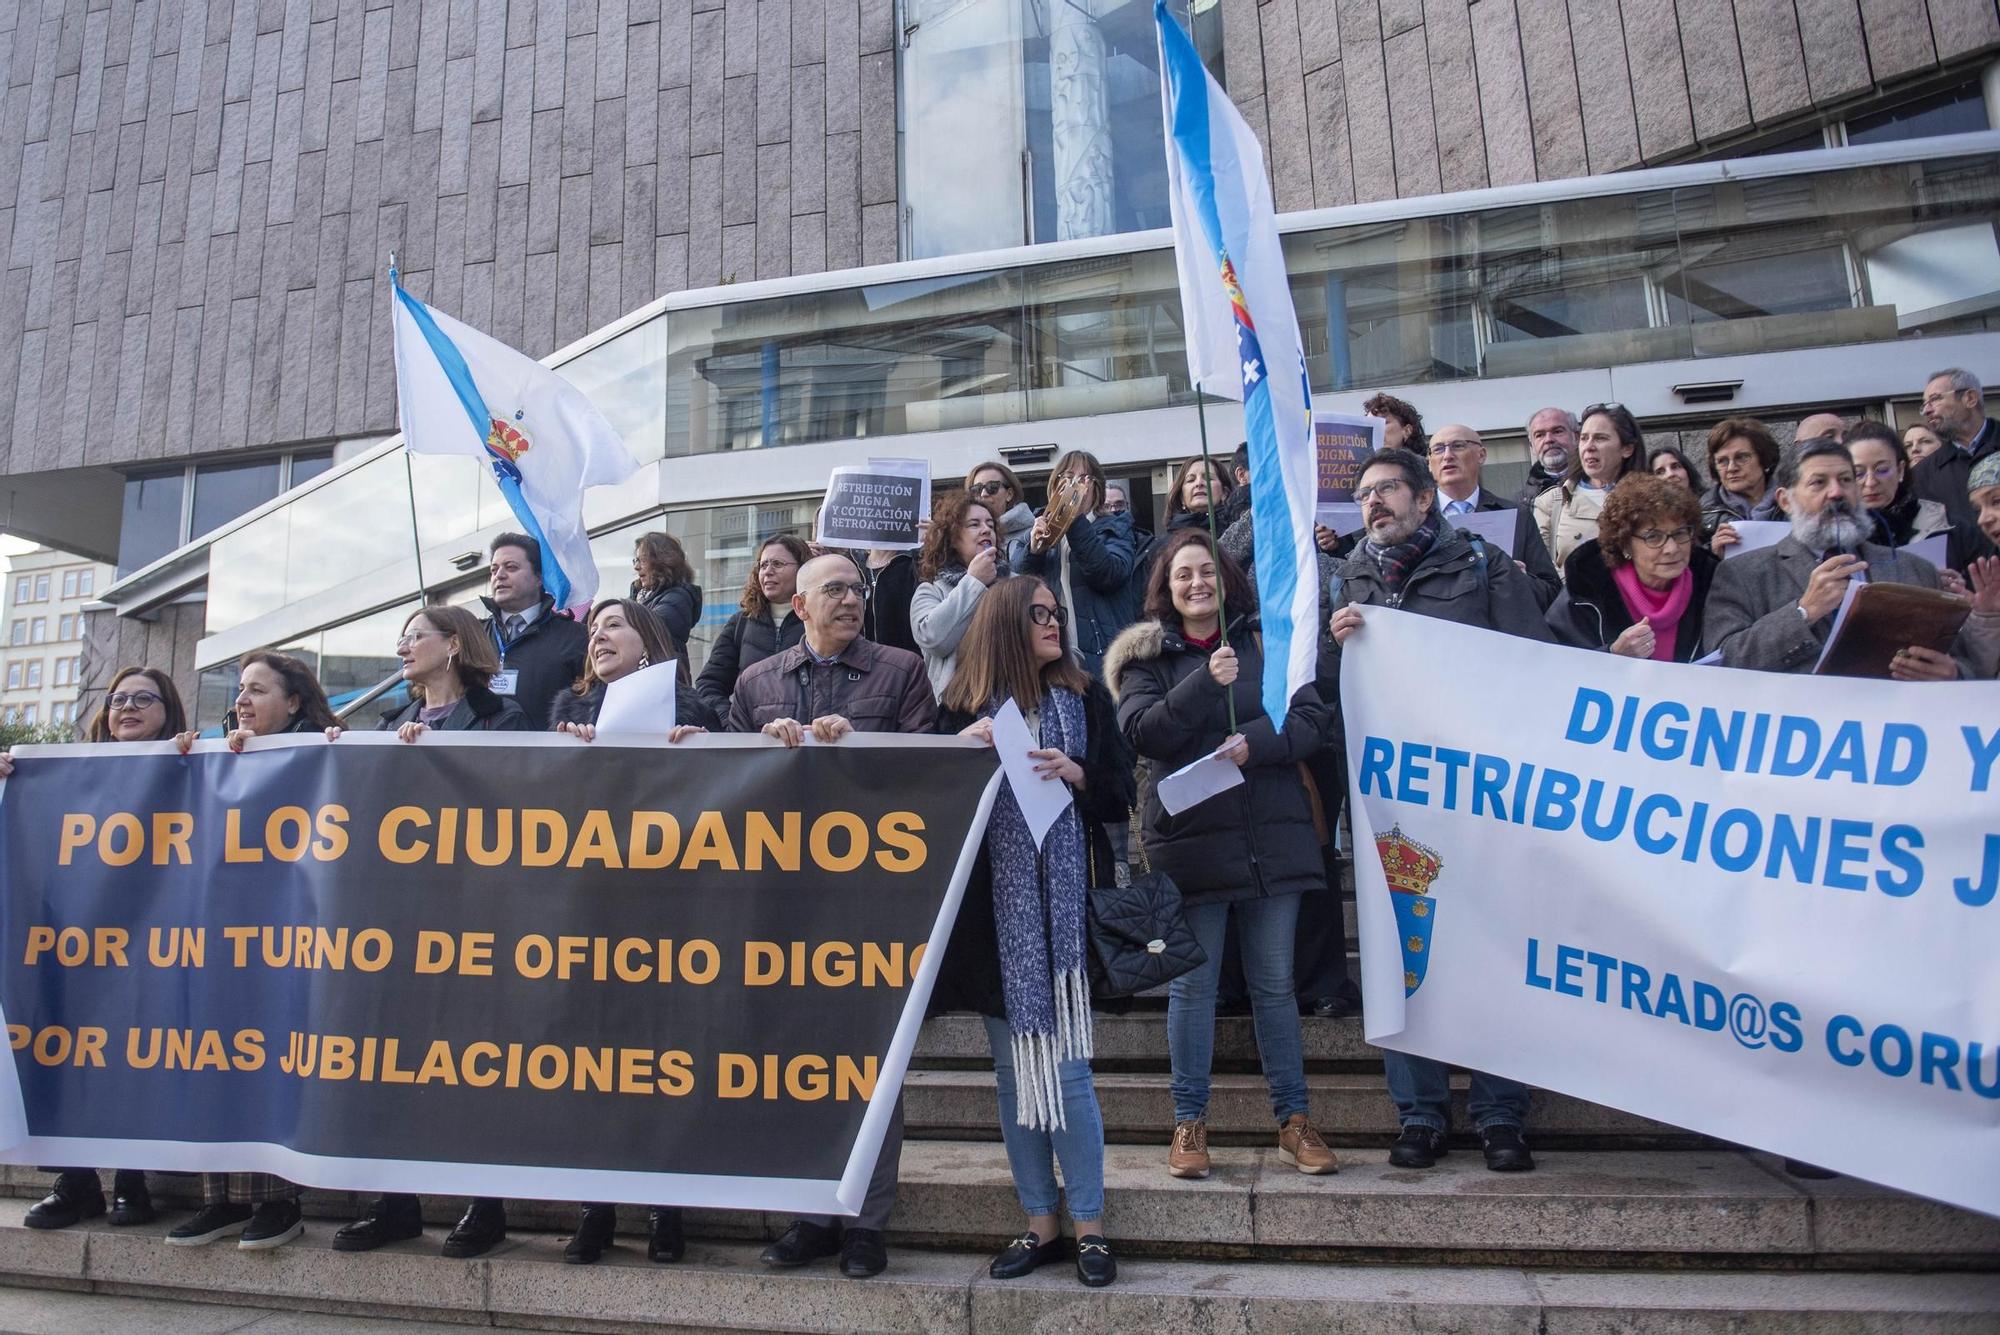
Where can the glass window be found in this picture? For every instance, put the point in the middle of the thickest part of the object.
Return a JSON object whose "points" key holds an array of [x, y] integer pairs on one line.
{"points": [[22, 588], [66, 628], [13, 676], [62, 672], [69, 584], [309, 464], [38, 632], [35, 673], [29, 712], [1960, 110], [85, 579], [355, 656], [41, 588], [151, 524], [625, 379], [223, 492], [19, 634], [1053, 106], [62, 712]]}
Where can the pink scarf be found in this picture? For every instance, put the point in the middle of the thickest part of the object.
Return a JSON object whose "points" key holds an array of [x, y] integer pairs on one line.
{"points": [[1663, 608]]}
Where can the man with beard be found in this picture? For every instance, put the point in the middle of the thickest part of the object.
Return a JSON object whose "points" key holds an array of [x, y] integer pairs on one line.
{"points": [[1410, 558], [1772, 609], [1551, 441], [1955, 408]]}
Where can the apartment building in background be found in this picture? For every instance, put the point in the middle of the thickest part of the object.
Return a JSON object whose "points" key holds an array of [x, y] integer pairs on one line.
{"points": [[42, 625]]}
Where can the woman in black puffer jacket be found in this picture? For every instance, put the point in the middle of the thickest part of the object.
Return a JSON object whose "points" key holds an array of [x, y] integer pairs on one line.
{"points": [[1250, 851], [665, 583], [763, 624]]}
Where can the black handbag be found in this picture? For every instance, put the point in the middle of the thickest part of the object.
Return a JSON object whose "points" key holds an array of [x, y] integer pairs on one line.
{"points": [[1139, 938]]}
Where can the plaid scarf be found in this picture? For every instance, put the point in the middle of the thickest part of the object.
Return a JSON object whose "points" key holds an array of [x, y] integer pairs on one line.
{"points": [[1398, 559]]}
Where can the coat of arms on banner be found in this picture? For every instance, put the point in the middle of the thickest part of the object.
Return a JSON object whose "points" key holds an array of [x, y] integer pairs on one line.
{"points": [[1410, 867]]}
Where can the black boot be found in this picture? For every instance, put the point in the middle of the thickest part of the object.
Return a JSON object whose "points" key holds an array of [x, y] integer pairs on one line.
{"points": [[593, 1235], [482, 1228], [801, 1243], [394, 1217], [78, 1196], [131, 1200], [664, 1242]]}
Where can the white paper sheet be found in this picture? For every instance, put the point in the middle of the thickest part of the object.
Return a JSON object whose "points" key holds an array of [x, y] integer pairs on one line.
{"points": [[1854, 587], [1198, 781], [641, 701], [1931, 549], [1709, 660], [1494, 527], [1752, 534], [1043, 798]]}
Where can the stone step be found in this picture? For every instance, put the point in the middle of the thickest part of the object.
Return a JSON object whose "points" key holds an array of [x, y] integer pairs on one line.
{"points": [[1660, 1208], [720, 1286], [1349, 1109], [1137, 1041]]}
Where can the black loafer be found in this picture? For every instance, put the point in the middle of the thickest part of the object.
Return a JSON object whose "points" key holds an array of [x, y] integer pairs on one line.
{"points": [[389, 1219], [482, 1228], [1095, 1265], [593, 1235], [74, 1200], [131, 1201], [863, 1253], [801, 1243], [664, 1242], [1417, 1147], [1025, 1255], [1506, 1151]]}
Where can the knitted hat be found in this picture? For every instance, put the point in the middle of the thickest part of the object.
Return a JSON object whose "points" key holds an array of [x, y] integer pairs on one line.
{"points": [[1985, 473]]}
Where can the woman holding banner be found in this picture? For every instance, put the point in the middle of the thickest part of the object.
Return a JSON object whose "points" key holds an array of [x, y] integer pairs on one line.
{"points": [[275, 693], [959, 561], [625, 636], [140, 705], [1018, 949], [763, 623], [448, 661], [1251, 851]]}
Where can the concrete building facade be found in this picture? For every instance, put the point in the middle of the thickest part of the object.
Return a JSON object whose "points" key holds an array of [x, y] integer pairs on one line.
{"points": [[42, 656]]}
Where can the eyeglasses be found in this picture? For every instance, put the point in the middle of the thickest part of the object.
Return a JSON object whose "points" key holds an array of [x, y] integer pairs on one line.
{"points": [[840, 589], [987, 488], [1601, 408], [1047, 616], [409, 638], [1882, 471], [1386, 488], [1439, 447], [1654, 539], [770, 567], [131, 700]]}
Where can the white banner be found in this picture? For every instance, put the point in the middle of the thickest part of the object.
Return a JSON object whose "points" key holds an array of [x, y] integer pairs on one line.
{"points": [[1757, 906]]}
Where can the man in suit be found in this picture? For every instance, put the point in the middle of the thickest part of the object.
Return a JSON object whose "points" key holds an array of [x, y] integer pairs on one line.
{"points": [[1456, 457], [1773, 609]]}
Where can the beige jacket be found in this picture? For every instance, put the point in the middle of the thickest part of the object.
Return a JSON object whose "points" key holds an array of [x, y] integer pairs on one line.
{"points": [[1567, 519]]}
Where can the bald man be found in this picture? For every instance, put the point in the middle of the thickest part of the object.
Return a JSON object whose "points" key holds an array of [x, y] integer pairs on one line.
{"points": [[1821, 424], [1456, 457]]}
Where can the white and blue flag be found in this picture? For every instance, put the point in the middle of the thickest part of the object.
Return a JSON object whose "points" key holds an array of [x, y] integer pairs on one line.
{"points": [[1243, 343], [459, 391]]}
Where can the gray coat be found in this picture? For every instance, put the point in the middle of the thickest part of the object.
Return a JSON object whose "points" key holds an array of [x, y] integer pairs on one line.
{"points": [[939, 614], [1753, 612], [1456, 580]]}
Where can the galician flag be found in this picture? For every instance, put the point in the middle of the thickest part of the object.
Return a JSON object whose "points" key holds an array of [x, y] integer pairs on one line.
{"points": [[460, 392], [1243, 343]]}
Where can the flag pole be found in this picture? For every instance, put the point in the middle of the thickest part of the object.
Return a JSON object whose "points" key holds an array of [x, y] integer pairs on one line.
{"points": [[409, 473], [1215, 544]]}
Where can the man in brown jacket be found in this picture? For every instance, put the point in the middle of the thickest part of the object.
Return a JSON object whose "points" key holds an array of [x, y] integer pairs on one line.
{"points": [[833, 682]]}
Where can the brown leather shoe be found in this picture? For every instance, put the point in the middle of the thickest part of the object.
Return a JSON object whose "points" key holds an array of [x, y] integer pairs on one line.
{"points": [[1300, 1146], [1188, 1155]]}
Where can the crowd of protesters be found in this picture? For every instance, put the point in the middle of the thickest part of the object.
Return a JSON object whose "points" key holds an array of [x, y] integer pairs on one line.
{"points": [[1132, 653]]}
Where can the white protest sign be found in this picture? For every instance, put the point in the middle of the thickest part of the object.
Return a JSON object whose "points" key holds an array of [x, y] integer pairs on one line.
{"points": [[1761, 906], [1754, 534], [875, 506], [641, 701], [1341, 447], [1494, 527], [1197, 781], [1042, 798]]}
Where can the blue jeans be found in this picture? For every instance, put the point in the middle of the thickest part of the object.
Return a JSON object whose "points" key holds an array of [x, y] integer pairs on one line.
{"points": [[1264, 937], [1422, 1091], [1032, 1155]]}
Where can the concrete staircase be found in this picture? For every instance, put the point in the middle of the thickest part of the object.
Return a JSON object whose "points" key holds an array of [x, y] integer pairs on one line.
{"points": [[1627, 1226]]}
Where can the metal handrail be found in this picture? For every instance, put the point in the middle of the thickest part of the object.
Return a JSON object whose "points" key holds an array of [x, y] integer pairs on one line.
{"points": [[371, 695]]}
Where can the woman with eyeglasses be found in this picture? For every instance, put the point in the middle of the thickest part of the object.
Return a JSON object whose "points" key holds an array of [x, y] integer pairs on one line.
{"points": [[994, 486], [1609, 445], [625, 637], [1248, 853], [1743, 454], [960, 560], [762, 625], [1882, 466], [141, 705], [1638, 587], [448, 664], [664, 582], [1019, 953]]}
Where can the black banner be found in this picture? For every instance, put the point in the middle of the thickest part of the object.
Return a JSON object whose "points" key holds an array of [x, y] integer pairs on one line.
{"points": [[519, 965]]}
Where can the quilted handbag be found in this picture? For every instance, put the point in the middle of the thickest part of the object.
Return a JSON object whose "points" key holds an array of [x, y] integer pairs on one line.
{"points": [[1139, 939]]}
